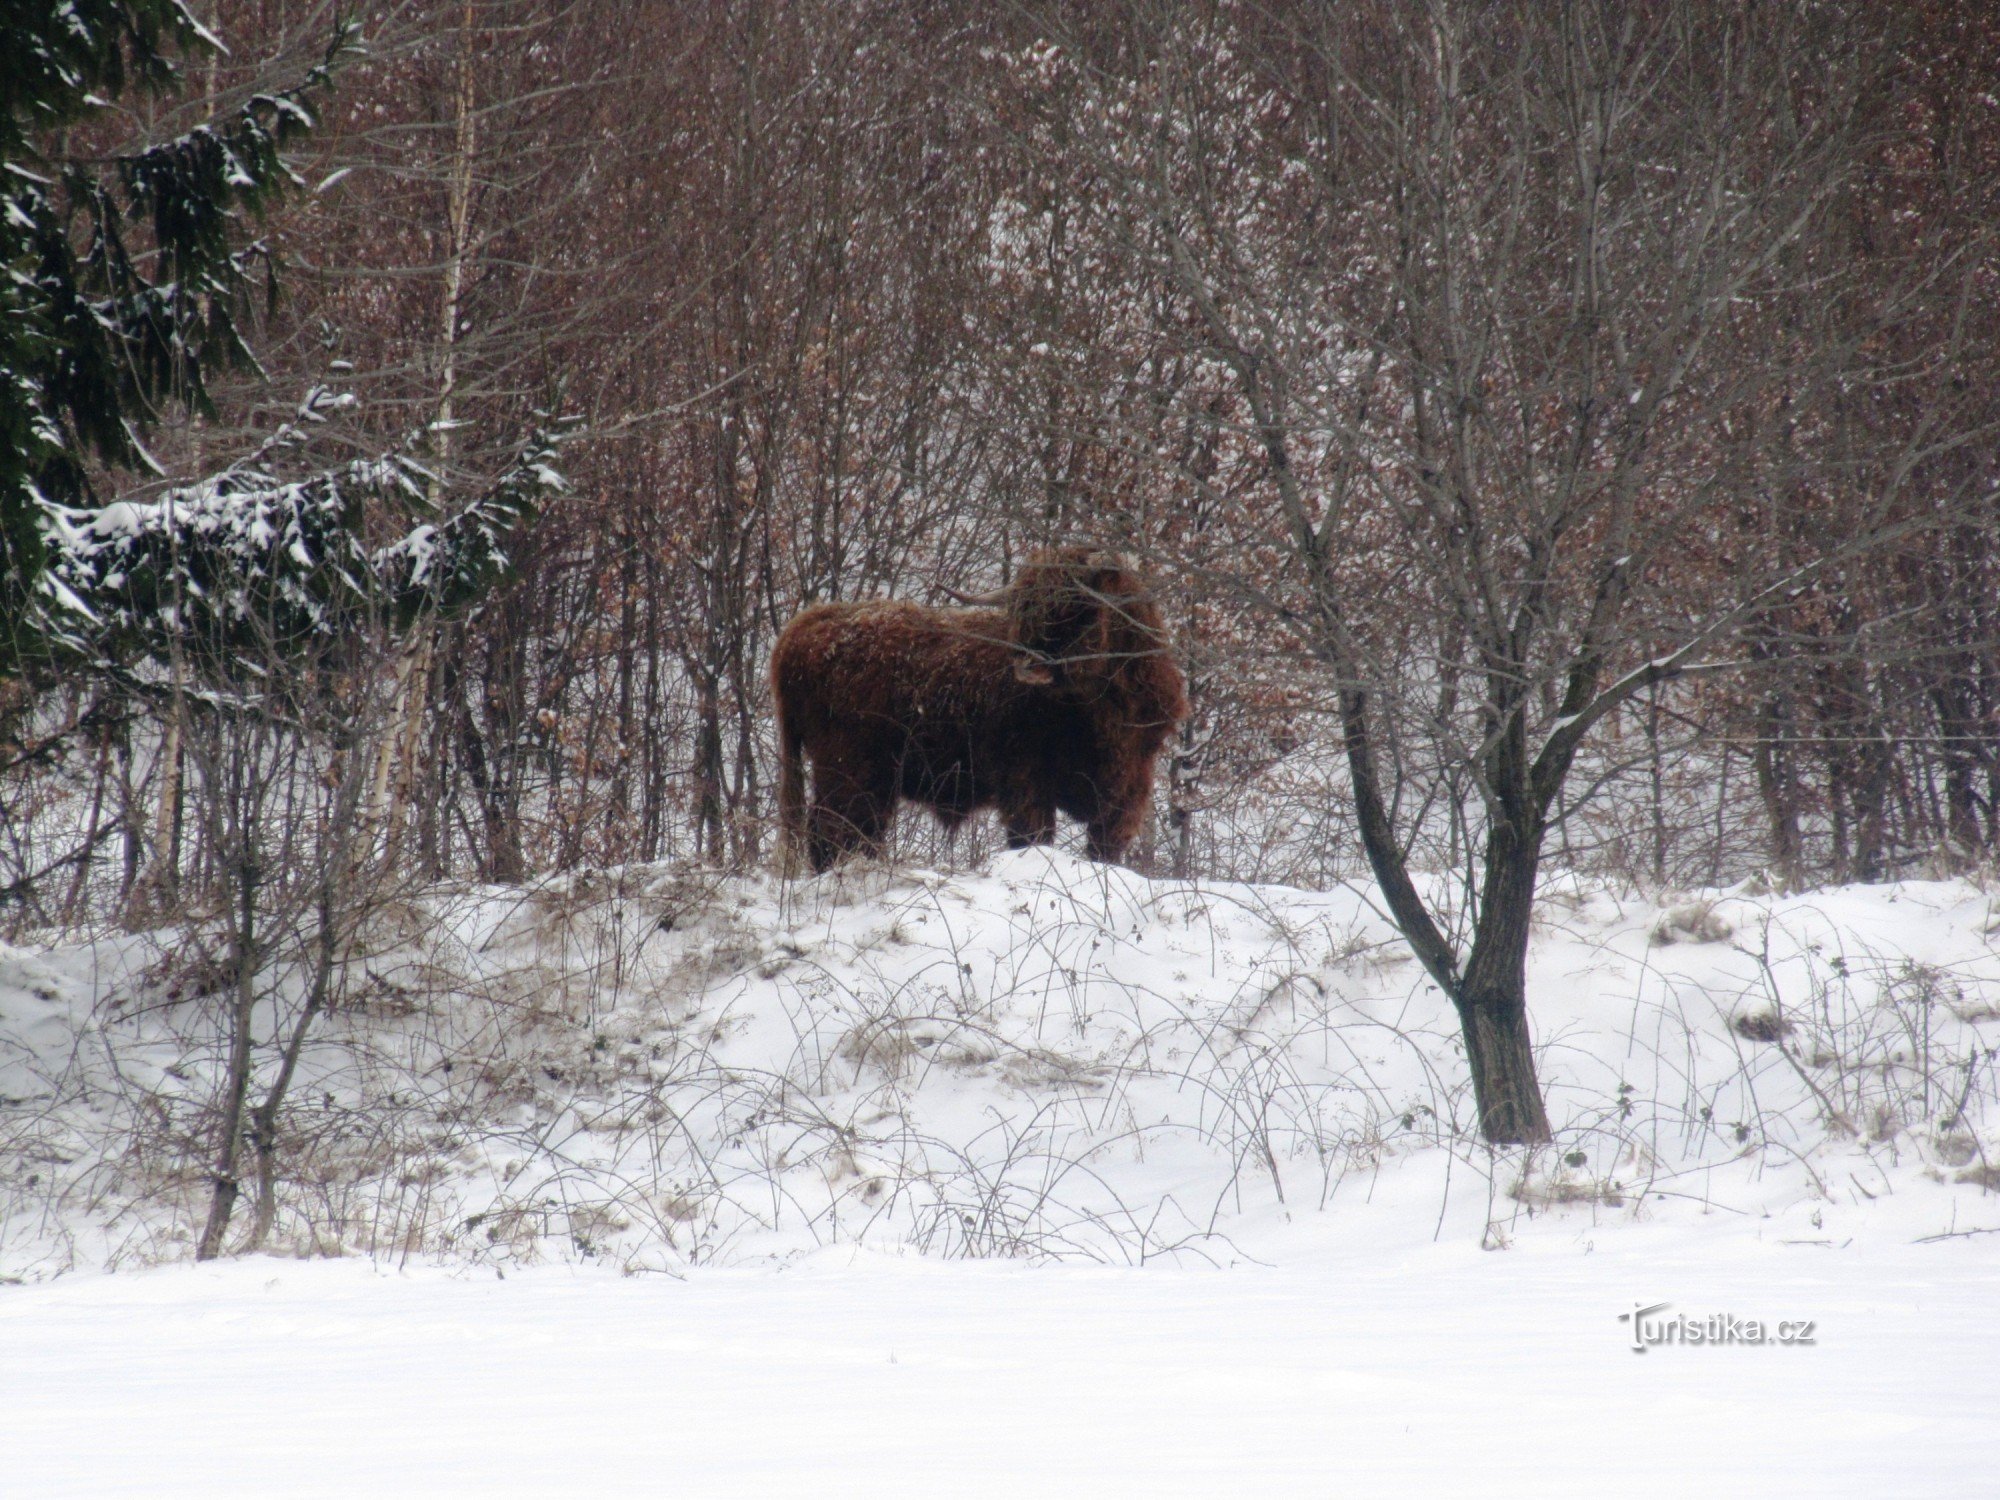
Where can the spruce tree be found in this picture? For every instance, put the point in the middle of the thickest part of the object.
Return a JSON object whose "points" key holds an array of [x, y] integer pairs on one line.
{"points": [[124, 280]]}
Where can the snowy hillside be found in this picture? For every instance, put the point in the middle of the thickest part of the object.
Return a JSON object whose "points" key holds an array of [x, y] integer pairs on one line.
{"points": [[872, 1123], [1050, 1059]]}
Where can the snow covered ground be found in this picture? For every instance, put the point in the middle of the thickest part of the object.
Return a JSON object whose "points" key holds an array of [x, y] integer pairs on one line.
{"points": [[1438, 1371], [1040, 1175]]}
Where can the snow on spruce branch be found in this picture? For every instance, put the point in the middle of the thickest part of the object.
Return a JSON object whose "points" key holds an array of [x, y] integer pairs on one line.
{"points": [[449, 565], [250, 563]]}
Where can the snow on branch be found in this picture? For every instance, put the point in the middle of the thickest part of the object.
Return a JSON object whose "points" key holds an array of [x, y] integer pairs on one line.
{"points": [[249, 564], [449, 565]]}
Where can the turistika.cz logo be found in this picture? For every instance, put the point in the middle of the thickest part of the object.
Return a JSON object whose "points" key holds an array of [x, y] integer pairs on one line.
{"points": [[1653, 1326]]}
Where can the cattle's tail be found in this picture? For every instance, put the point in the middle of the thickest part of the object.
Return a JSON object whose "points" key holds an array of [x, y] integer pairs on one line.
{"points": [[791, 793]]}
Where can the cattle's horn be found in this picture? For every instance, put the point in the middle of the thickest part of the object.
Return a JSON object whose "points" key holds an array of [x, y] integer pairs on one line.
{"points": [[988, 600]]}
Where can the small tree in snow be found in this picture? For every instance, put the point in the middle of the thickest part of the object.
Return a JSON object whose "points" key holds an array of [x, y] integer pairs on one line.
{"points": [[1470, 289]]}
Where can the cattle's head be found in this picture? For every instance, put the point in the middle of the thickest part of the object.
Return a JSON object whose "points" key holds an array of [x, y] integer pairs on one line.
{"points": [[1084, 622]]}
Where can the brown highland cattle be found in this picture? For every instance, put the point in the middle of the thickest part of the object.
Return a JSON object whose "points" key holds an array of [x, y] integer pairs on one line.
{"points": [[1055, 693]]}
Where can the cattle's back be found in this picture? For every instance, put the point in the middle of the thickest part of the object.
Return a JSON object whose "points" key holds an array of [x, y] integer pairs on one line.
{"points": [[899, 666]]}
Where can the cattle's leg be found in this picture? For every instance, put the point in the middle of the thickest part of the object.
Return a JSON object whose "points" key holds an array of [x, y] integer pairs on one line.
{"points": [[1109, 838], [1028, 821], [1116, 820], [850, 814]]}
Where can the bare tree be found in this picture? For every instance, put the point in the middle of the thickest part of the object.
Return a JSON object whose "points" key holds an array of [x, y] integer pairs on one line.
{"points": [[1474, 286]]}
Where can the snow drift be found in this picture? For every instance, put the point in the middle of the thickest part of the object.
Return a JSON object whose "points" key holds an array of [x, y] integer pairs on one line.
{"points": [[654, 1068]]}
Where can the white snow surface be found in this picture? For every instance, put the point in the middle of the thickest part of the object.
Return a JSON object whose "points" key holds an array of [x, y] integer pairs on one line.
{"points": [[1437, 1371], [1044, 1175]]}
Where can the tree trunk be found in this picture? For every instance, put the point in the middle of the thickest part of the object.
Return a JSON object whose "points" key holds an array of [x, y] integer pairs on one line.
{"points": [[159, 887], [1492, 998], [708, 767], [1491, 995], [1776, 787], [1656, 786], [264, 1119], [236, 1084]]}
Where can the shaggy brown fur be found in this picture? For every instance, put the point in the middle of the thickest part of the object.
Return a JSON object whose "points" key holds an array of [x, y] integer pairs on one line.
{"points": [[1057, 699]]}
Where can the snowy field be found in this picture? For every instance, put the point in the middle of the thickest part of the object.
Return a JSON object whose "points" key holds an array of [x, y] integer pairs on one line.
{"points": [[1423, 1372], [1042, 1176]]}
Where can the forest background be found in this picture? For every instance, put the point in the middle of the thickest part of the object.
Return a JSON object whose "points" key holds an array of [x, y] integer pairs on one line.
{"points": [[1557, 434]]}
